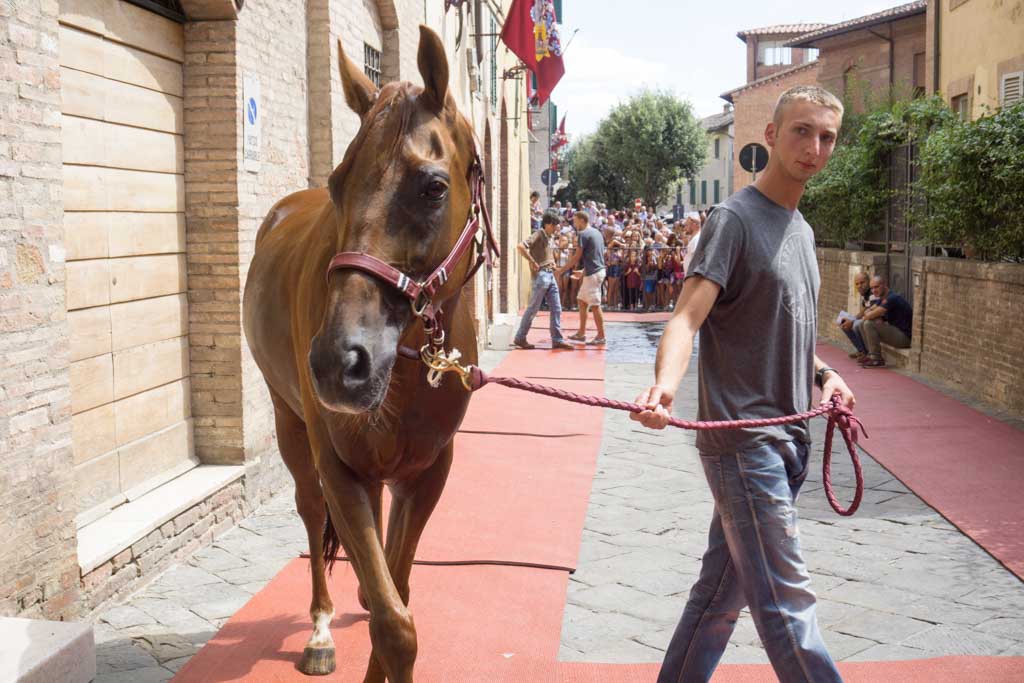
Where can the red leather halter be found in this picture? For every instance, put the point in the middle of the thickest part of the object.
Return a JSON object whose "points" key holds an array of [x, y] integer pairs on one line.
{"points": [[421, 294]]}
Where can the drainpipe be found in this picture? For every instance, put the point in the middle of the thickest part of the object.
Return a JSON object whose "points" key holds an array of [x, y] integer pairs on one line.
{"points": [[936, 46], [892, 58]]}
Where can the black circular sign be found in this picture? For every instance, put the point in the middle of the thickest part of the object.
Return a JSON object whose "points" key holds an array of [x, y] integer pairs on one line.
{"points": [[753, 157], [549, 176]]}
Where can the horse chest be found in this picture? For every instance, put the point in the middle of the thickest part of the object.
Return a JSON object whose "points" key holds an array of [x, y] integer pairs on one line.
{"points": [[403, 446]]}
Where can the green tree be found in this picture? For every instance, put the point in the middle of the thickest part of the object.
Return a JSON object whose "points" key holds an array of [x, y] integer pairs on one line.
{"points": [[643, 147], [592, 175]]}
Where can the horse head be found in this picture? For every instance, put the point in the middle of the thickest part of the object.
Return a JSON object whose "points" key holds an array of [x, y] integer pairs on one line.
{"points": [[401, 194]]}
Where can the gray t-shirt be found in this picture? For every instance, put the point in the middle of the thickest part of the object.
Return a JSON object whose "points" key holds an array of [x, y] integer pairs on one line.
{"points": [[756, 352], [592, 243]]}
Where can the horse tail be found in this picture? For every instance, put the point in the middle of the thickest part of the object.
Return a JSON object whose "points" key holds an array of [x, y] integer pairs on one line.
{"points": [[331, 544]]}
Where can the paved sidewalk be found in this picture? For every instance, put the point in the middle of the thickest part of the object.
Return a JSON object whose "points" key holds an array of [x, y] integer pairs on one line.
{"points": [[896, 581]]}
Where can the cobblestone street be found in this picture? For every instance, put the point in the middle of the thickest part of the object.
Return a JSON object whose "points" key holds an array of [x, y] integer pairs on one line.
{"points": [[894, 582]]}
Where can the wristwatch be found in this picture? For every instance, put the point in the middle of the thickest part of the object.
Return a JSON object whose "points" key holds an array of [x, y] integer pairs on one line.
{"points": [[819, 376]]}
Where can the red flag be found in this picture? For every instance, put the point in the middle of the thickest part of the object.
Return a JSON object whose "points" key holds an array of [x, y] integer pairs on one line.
{"points": [[518, 35], [561, 139]]}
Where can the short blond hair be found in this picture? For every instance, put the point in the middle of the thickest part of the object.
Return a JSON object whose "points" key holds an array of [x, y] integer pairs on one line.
{"points": [[806, 93]]}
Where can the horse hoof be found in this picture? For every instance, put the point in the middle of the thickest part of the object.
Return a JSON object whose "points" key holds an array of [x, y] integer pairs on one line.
{"points": [[317, 661], [362, 599]]}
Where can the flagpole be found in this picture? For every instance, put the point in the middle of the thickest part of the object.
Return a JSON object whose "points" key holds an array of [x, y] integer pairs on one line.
{"points": [[549, 183]]}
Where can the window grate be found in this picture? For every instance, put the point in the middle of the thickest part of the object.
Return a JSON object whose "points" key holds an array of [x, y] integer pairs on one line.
{"points": [[371, 64]]}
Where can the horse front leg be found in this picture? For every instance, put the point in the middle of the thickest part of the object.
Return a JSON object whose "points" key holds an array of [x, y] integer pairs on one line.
{"points": [[411, 506], [376, 490], [392, 633], [293, 443]]}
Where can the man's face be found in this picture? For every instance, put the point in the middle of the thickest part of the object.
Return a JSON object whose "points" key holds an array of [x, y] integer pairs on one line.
{"points": [[579, 223], [804, 139], [861, 283], [549, 228], [878, 288]]}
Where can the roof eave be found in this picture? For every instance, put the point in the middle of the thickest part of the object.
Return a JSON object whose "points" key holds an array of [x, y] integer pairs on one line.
{"points": [[811, 39]]}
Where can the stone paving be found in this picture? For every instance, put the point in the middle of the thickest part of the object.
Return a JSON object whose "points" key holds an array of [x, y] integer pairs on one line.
{"points": [[896, 581]]}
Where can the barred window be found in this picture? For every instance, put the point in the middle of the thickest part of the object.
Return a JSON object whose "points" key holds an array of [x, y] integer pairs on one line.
{"points": [[371, 64]]}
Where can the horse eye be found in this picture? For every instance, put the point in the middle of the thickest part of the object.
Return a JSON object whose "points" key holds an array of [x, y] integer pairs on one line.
{"points": [[435, 190]]}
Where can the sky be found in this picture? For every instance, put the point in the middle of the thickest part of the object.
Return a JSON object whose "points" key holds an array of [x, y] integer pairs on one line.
{"points": [[684, 46]]}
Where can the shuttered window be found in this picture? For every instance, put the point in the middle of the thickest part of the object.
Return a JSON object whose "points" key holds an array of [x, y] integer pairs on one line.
{"points": [[1011, 89], [693, 192], [703, 192], [717, 190]]}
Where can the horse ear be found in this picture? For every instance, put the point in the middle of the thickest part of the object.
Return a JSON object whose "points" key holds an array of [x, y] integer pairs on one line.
{"points": [[360, 92], [433, 65]]}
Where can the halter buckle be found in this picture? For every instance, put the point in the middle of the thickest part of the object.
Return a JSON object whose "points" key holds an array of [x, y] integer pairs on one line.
{"points": [[420, 305]]}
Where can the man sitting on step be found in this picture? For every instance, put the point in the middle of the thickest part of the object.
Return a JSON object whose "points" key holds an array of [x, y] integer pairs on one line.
{"points": [[890, 322]]}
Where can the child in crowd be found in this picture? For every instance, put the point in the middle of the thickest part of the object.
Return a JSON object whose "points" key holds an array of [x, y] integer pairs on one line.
{"points": [[613, 264], [649, 273], [633, 280], [665, 278]]}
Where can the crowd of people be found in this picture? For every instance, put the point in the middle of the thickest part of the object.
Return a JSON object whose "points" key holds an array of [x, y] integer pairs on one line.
{"points": [[645, 255]]}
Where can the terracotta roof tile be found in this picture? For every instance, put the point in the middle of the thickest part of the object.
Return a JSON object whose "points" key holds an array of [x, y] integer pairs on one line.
{"points": [[780, 29]]}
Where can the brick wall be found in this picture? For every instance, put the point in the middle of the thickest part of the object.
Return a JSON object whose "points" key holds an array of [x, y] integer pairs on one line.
{"points": [[38, 566], [753, 111], [837, 268], [868, 55], [173, 541], [967, 328], [967, 320], [212, 140], [271, 46]]}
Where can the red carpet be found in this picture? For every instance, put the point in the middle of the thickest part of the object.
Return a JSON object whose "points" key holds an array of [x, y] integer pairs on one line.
{"points": [[518, 491], [966, 465]]}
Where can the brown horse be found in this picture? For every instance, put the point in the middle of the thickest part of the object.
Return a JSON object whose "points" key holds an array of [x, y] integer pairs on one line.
{"points": [[351, 413]]}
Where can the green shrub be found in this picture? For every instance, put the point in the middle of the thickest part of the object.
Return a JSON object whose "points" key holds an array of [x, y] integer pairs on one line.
{"points": [[972, 183]]}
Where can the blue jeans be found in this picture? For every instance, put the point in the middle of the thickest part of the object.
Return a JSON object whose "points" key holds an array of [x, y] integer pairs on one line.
{"points": [[753, 558], [544, 287], [856, 336]]}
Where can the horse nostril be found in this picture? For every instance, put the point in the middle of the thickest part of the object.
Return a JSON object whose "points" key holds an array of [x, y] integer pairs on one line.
{"points": [[356, 364]]}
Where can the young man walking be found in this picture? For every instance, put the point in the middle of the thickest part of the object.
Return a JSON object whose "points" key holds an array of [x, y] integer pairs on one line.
{"points": [[591, 252], [537, 250], [752, 292]]}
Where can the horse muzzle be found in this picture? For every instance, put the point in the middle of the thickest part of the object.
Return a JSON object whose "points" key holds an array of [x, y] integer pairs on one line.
{"points": [[351, 373]]}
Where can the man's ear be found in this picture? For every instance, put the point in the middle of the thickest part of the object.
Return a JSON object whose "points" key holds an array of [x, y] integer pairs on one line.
{"points": [[360, 92], [769, 134]]}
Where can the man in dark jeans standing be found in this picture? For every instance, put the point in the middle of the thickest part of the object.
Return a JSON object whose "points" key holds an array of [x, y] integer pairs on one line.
{"points": [[537, 250], [752, 292]]}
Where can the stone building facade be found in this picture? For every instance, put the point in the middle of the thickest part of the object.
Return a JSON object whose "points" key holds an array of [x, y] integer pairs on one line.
{"points": [[715, 181], [974, 74], [134, 424]]}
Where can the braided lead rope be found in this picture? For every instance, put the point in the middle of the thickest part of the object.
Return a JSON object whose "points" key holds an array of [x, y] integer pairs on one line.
{"points": [[838, 415]]}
